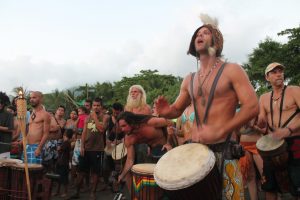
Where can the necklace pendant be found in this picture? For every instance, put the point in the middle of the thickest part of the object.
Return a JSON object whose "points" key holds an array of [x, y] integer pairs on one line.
{"points": [[200, 92], [203, 101]]}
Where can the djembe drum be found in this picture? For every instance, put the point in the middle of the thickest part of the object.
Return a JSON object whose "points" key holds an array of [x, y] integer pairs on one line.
{"points": [[143, 183], [5, 176], [189, 172], [275, 157], [18, 186]]}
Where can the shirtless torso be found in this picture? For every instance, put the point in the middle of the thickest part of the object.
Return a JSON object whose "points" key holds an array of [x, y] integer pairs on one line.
{"points": [[39, 123]]}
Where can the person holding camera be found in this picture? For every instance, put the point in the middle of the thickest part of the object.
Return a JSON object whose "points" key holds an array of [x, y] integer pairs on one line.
{"points": [[215, 117]]}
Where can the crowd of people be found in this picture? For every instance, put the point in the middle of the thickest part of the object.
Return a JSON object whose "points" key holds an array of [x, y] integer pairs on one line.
{"points": [[216, 105]]}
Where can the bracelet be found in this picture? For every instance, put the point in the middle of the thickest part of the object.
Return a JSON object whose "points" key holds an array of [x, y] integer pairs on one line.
{"points": [[291, 130]]}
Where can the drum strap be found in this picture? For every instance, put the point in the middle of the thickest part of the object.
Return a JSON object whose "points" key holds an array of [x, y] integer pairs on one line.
{"points": [[210, 97], [280, 109]]}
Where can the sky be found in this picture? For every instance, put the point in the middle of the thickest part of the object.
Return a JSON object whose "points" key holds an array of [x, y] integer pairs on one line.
{"points": [[54, 44]]}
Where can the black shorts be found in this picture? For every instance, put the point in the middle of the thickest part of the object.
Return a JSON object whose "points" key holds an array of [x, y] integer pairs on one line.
{"points": [[92, 160], [63, 171]]}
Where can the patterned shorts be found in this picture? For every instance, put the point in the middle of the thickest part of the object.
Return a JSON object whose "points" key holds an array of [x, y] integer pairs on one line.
{"points": [[31, 158]]}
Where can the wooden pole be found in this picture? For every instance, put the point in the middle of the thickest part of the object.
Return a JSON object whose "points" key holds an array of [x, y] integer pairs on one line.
{"points": [[21, 111]]}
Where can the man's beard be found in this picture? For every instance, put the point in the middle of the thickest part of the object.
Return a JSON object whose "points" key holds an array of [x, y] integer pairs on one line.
{"points": [[134, 103]]}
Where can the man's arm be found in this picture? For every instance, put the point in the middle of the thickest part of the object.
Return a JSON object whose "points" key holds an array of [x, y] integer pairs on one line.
{"points": [[249, 106], [129, 162], [294, 125], [159, 122], [9, 126], [83, 136], [246, 96], [176, 109]]}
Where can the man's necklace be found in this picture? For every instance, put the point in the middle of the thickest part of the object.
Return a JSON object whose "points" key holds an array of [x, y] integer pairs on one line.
{"points": [[200, 90]]}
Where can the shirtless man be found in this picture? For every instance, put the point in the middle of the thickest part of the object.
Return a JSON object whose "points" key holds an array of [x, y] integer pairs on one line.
{"points": [[276, 118], [141, 129], [57, 125], [233, 87], [136, 101], [38, 131]]}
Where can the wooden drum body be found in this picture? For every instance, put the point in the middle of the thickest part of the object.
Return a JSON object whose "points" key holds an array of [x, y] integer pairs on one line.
{"points": [[18, 186], [189, 172], [5, 176], [275, 157], [144, 186]]}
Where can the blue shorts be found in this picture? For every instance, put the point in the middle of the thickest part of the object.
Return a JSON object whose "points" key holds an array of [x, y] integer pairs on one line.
{"points": [[31, 158]]}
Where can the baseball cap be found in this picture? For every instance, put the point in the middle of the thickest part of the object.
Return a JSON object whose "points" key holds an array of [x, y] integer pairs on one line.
{"points": [[272, 66]]}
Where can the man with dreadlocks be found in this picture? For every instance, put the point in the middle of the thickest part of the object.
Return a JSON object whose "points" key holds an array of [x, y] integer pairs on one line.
{"points": [[138, 129], [220, 120], [6, 124]]}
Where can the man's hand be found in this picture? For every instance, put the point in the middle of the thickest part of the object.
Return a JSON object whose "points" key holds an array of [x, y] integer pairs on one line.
{"points": [[161, 105], [94, 116], [281, 133], [37, 152]]}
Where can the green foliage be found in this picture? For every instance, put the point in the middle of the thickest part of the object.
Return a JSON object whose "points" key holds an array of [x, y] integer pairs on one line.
{"points": [[153, 83], [269, 51]]}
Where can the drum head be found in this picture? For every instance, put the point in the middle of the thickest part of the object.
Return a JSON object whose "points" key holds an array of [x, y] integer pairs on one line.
{"points": [[120, 151], [184, 166], [144, 168], [30, 166], [268, 143], [10, 162]]}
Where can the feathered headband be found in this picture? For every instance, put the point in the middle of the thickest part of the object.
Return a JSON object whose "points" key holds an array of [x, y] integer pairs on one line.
{"points": [[217, 43]]}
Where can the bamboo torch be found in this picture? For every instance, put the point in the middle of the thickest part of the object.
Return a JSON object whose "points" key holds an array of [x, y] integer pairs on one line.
{"points": [[21, 111]]}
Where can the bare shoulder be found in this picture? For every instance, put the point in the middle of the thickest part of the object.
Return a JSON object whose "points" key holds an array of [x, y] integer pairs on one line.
{"points": [[46, 115], [294, 89], [186, 81], [264, 98], [234, 70]]}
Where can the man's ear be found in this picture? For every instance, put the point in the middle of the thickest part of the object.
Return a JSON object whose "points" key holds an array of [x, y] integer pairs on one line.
{"points": [[267, 77]]}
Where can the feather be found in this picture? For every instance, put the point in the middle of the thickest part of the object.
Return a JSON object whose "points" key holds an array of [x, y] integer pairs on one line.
{"points": [[206, 19]]}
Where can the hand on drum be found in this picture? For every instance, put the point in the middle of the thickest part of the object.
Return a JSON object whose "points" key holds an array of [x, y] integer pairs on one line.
{"points": [[281, 133]]}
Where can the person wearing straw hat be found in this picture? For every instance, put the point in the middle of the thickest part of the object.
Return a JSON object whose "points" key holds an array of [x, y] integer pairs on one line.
{"points": [[213, 125], [279, 115]]}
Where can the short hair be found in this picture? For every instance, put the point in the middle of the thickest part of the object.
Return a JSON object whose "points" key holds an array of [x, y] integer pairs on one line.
{"points": [[4, 99], [69, 133], [88, 101], [83, 109], [61, 106], [99, 100], [117, 106]]}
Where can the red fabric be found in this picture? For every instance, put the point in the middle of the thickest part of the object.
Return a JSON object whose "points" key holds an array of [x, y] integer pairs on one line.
{"points": [[245, 162]]}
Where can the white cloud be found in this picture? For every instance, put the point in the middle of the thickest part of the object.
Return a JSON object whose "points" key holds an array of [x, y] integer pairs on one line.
{"points": [[62, 52]]}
